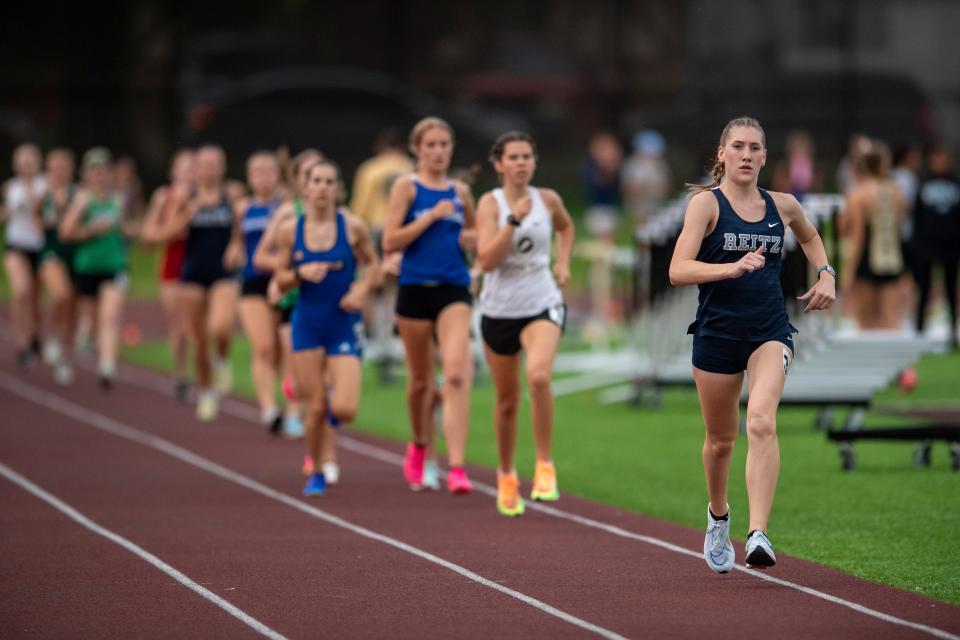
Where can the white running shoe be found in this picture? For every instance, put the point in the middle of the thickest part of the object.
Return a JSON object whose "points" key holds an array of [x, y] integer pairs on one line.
{"points": [[52, 353], [331, 471], [207, 405], [717, 548], [222, 376], [759, 551], [431, 475], [63, 374]]}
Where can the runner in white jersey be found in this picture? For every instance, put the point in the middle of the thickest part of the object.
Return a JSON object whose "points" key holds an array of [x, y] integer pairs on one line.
{"points": [[24, 240], [522, 307]]}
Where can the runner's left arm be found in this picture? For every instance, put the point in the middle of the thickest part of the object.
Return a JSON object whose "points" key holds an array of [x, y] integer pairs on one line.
{"points": [[366, 254], [565, 231], [823, 293]]}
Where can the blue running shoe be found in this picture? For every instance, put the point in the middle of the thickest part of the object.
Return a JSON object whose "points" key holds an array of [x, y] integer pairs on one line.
{"points": [[759, 551], [333, 420], [717, 548], [316, 485]]}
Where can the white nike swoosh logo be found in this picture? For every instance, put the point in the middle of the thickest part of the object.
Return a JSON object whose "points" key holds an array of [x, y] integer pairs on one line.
{"points": [[772, 225]]}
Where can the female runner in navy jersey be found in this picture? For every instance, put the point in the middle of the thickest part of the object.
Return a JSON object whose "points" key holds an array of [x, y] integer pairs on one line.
{"points": [[209, 289], [731, 246], [257, 316], [319, 252], [428, 217]]}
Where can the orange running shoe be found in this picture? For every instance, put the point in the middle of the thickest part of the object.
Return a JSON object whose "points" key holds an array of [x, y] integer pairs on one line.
{"points": [[545, 483], [509, 502]]}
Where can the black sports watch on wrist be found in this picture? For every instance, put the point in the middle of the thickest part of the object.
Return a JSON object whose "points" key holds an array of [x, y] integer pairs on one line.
{"points": [[828, 269], [512, 219]]}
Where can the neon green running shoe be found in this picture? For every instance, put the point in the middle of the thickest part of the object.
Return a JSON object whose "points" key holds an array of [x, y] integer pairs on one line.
{"points": [[509, 502], [545, 483]]}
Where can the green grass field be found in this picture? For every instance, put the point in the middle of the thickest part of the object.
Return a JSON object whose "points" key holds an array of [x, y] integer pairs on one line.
{"points": [[888, 521]]}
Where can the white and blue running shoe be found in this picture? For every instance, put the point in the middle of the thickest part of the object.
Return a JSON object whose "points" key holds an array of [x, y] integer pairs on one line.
{"points": [[760, 551], [717, 548]]}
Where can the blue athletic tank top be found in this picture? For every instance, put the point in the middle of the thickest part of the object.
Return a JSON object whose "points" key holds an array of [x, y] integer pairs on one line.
{"points": [[208, 236], [749, 307], [320, 301], [255, 221], [435, 257]]}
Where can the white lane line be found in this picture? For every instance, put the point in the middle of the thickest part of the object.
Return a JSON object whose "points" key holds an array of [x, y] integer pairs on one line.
{"points": [[141, 553], [156, 382], [104, 423]]}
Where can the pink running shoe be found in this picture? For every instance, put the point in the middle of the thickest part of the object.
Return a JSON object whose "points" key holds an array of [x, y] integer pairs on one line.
{"points": [[413, 466], [457, 482], [308, 466]]}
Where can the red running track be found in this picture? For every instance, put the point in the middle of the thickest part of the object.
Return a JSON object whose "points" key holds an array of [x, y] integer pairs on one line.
{"points": [[220, 503]]}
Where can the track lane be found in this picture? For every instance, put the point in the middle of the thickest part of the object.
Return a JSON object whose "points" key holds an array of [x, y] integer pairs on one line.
{"points": [[640, 589], [295, 574]]}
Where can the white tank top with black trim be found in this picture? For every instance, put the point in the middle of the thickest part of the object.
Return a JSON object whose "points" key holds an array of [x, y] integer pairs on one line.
{"points": [[23, 230], [522, 285]]}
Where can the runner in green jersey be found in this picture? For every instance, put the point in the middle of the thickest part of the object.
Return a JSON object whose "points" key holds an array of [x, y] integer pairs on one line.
{"points": [[56, 263], [93, 222]]}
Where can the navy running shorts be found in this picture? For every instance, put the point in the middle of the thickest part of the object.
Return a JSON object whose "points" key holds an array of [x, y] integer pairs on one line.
{"points": [[723, 355]]}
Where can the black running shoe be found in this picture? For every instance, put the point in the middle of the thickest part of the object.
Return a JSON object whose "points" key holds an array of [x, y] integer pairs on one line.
{"points": [[181, 391], [276, 425]]}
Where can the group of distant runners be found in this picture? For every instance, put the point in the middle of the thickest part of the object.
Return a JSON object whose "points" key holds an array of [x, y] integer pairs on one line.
{"points": [[304, 271]]}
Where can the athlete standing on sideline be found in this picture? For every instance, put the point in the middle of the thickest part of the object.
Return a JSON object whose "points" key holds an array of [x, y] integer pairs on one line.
{"points": [[208, 291], [522, 307], [56, 262], [158, 211], [427, 215], [95, 222], [731, 246], [258, 317], [319, 252], [874, 263], [24, 240], [371, 191]]}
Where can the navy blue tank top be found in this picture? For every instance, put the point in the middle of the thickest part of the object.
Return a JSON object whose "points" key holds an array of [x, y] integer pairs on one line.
{"points": [[208, 236], [320, 301], [750, 307], [435, 256], [255, 221]]}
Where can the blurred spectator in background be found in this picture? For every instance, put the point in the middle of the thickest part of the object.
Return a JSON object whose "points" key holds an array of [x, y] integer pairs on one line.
{"points": [[797, 173], [907, 163], [601, 179], [857, 145], [645, 179], [371, 192], [936, 236], [129, 188], [874, 259]]}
